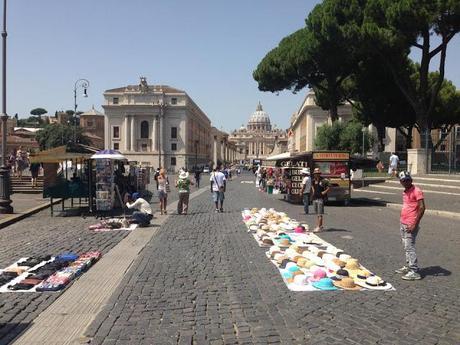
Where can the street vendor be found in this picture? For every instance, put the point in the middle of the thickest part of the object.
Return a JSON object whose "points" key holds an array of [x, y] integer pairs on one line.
{"points": [[144, 214]]}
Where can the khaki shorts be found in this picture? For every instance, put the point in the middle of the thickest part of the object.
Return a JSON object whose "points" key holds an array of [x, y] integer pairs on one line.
{"points": [[318, 206]]}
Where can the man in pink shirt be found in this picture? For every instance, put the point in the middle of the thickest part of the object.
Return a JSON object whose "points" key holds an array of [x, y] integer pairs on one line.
{"points": [[411, 214]]}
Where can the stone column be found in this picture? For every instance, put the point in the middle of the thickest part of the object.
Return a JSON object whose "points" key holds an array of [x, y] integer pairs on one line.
{"points": [[161, 138], [127, 140], [107, 134], [154, 135], [133, 134], [214, 153]]}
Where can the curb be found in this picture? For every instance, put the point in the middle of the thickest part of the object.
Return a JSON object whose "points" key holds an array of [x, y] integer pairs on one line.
{"points": [[446, 214], [17, 217]]}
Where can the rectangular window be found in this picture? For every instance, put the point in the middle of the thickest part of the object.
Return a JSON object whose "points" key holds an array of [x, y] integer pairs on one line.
{"points": [[173, 132], [173, 147], [173, 161], [144, 147], [116, 132], [115, 100], [116, 146], [89, 124], [174, 100], [443, 148]]}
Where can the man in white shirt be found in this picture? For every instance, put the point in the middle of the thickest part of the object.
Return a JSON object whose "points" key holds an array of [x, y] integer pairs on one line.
{"points": [[145, 214], [218, 186], [394, 161], [306, 187]]}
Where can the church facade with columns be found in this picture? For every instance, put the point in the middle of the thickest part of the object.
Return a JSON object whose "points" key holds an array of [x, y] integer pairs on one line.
{"points": [[157, 126], [258, 139]]}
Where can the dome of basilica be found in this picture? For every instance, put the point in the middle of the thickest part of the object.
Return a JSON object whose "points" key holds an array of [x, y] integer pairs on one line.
{"points": [[259, 120]]}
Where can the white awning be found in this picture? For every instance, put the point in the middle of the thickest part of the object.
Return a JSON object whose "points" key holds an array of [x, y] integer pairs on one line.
{"points": [[283, 155]]}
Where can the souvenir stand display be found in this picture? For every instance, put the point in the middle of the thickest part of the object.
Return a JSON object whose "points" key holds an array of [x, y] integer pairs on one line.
{"points": [[56, 164], [105, 190], [305, 261], [105, 178]]}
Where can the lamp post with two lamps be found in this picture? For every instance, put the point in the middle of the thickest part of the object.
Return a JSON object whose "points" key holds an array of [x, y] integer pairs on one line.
{"points": [[5, 183], [84, 84]]}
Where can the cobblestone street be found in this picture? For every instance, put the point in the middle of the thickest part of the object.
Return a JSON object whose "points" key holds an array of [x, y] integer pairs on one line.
{"points": [[204, 280]]}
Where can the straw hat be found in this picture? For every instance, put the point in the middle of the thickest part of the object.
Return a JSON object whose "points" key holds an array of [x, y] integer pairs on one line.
{"points": [[352, 264], [301, 280], [340, 274], [344, 257], [374, 283], [346, 284], [183, 175], [339, 262], [305, 171]]}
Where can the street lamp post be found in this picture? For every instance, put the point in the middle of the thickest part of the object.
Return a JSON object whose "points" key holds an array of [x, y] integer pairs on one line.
{"points": [[196, 154], [5, 186], [84, 84], [364, 131]]}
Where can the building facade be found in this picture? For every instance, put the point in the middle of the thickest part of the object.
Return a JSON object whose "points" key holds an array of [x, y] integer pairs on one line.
{"points": [[157, 125], [92, 124], [258, 139], [223, 151], [306, 121]]}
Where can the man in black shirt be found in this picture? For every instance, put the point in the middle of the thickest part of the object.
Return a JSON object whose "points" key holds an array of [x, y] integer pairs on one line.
{"points": [[319, 190]]}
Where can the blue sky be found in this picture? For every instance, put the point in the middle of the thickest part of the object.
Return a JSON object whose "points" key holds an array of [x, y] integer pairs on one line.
{"points": [[208, 48]]}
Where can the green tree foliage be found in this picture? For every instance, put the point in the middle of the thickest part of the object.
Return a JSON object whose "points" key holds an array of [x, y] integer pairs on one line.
{"points": [[317, 56], [393, 27], [343, 136], [55, 135], [38, 112]]}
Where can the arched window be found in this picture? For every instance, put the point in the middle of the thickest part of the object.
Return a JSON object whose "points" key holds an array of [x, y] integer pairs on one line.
{"points": [[144, 130]]}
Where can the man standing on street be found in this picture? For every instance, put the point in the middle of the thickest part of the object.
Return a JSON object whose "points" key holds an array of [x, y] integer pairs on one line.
{"points": [[218, 187], [319, 190], [306, 187], [183, 186], [197, 177], [393, 168], [411, 214]]}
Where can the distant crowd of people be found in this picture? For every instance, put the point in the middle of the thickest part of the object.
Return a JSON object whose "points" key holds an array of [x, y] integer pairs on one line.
{"points": [[19, 161]]}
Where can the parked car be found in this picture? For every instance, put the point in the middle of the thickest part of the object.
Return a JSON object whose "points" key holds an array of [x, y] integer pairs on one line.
{"points": [[206, 170]]}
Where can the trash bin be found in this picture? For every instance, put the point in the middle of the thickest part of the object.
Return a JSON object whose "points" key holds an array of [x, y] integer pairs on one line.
{"points": [[270, 189]]}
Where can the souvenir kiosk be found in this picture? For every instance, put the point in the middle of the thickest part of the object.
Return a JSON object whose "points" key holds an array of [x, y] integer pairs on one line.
{"points": [[106, 191], [334, 166], [66, 173]]}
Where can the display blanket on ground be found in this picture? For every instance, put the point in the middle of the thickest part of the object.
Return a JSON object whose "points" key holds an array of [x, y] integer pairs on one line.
{"points": [[305, 261]]}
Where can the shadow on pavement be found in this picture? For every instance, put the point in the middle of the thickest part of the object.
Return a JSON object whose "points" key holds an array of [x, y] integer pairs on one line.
{"points": [[436, 271], [336, 230], [9, 331]]}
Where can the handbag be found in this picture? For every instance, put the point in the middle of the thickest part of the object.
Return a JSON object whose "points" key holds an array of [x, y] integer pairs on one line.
{"points": [[221, 188]]}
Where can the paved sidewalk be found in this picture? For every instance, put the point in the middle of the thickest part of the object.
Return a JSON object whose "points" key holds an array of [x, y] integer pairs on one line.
{"points": [[204, 280]]}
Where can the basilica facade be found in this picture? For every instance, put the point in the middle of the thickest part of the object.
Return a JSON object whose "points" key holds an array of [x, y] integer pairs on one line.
{"points": [[258, 139]]}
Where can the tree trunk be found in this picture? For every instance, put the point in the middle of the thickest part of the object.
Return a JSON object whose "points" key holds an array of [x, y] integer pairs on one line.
{"points": [[333, 112]]}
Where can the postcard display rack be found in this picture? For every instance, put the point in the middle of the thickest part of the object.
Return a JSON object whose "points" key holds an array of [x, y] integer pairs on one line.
{"points": [[104, 184]]}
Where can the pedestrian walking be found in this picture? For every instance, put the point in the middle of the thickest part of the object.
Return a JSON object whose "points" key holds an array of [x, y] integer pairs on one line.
{"points": [[218, 187], [183, 186], [319, 190], [393, 168], [144, 213], [163, 186], [411, 213], [155, 176], [306, 188], [197, 177], [21, 161], [34, 171]]}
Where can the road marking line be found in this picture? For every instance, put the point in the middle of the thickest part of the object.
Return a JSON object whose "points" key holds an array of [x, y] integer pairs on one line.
{"points": [[372, 191], [429, 185], [424, 191]]}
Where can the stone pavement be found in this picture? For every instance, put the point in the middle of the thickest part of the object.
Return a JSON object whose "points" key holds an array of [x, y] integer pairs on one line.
{"points": [[203, 280], [41, 234]]}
